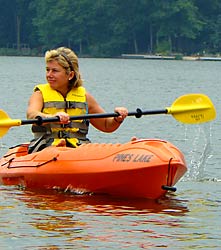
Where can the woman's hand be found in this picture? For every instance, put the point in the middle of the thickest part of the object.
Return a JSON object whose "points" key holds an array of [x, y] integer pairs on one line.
{"points": [[64, 117], [123, 112]]}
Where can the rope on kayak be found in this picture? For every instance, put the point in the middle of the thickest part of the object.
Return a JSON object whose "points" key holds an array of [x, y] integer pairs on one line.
{"points": [[26, 166]]}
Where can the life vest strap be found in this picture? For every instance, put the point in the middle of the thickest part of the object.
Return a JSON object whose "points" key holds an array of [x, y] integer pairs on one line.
{"points": [[68, 134], [65, 105]]}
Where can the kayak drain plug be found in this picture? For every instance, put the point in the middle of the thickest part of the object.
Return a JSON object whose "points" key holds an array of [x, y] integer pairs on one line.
{"points": [[168, 188]]}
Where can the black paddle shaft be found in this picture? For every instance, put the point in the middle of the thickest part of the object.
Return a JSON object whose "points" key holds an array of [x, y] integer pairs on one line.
{"points": [[138, 113]]}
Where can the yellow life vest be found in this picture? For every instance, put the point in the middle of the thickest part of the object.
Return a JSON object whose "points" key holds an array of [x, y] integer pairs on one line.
{"points": [[74, 104]]}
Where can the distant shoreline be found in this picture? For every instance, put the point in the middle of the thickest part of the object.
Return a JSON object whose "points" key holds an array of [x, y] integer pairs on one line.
{"points": [[136, 56], [179, 57]]}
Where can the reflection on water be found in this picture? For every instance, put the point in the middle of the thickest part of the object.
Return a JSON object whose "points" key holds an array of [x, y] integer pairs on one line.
{"points": [[52, 220], [105, 205], [70, 219]]}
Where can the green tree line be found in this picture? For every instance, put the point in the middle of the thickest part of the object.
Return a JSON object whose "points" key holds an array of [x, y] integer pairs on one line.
{"points": [[111, 27]]}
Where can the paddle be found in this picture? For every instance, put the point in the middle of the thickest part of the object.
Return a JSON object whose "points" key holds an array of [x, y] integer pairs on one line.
{"points": [[190, 108]]}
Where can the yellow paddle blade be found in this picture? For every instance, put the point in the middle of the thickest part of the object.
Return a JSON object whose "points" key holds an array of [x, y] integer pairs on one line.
{"points": [[6, 122], [193, 109], [3, 129]]}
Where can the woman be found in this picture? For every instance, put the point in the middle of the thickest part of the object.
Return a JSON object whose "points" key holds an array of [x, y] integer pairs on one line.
{"points": [[64, 95]]}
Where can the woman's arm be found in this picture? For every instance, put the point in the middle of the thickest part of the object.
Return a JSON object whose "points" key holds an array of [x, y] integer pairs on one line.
{"points": [[108, 124], [35, 106]]}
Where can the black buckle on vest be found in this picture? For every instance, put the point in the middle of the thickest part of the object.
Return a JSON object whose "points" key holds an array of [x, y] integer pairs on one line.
{"points": [[60, 134], [67, 105], [70, 105], [63, 134]]}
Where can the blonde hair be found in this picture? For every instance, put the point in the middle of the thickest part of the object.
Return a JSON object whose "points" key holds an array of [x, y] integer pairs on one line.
{"points": [[69, 61]]}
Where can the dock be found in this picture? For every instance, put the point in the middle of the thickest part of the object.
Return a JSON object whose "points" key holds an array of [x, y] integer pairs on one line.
{"points": [[161, 57]]}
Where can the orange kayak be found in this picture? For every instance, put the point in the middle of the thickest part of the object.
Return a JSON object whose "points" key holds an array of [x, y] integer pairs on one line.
{"points": [[146, 168]]}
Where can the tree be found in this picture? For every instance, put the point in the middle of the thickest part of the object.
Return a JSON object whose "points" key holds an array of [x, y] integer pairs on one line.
{"points": [[210, 37], [110, 28], [7, 27], [174, 21]]}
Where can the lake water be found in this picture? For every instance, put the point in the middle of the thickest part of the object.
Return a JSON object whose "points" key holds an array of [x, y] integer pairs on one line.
{"points": [[187, 219]]}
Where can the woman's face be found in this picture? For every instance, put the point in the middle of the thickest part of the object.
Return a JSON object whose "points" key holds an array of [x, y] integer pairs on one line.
{"points": [[57, 76]]}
